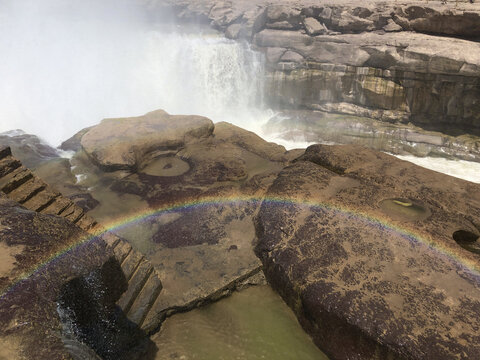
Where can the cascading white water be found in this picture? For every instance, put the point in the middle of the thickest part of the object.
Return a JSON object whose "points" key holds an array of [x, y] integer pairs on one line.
{"points": [[67, 65], [207, 75]]}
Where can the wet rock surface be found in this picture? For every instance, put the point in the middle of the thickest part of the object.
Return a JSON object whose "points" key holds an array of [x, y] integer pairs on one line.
{"points": [[191, 222], [376, 256], [30, 324], [103, 288], [368, 280]]}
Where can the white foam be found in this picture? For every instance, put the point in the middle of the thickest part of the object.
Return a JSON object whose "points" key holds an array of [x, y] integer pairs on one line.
{"points": [[462, 169]]}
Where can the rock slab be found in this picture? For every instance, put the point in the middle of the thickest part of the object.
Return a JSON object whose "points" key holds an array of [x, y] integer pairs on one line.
{"points": [[377, 257]]}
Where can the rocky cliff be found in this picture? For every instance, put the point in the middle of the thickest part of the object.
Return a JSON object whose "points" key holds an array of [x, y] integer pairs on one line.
{"points": [[397, 62]]}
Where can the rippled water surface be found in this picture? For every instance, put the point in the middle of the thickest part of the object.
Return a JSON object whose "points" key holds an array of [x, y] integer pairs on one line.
{"points": [[251, 324]]}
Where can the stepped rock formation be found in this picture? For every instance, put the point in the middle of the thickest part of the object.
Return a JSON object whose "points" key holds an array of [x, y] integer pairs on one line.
{"points": [[130, 280], [377, 257]]}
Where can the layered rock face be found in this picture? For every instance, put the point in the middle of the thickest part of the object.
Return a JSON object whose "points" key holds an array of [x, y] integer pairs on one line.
{"points": [[392, 77], [377, 257], [390, 61]]}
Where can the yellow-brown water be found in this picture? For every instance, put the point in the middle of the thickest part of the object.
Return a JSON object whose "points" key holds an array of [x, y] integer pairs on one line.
{"points": [[251, 324]]}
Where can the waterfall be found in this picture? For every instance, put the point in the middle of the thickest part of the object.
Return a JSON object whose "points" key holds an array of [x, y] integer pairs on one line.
{"points": [[67, 65]]}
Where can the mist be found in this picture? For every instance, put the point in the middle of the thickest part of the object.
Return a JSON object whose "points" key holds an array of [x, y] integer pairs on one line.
{"points": [[67, 64]]}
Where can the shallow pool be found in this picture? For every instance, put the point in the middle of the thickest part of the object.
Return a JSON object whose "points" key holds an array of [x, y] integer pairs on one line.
{"points": [[251, 324]]}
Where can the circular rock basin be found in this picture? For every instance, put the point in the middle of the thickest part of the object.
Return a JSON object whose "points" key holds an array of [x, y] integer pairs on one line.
{"points": [[166, 166], [467, 240], [404, 209]]}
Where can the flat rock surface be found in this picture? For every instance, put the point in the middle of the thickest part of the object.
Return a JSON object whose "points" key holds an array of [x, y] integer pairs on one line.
{"points": [[376, 256]]}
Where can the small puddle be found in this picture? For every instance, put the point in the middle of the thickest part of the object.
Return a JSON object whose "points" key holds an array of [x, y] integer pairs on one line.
{"points": [[251, 324], [404, 209], [166, 166]]}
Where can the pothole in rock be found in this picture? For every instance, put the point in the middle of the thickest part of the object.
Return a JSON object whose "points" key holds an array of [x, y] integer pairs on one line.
{"points": [[166, 166], [467, 240], [404, 209]]}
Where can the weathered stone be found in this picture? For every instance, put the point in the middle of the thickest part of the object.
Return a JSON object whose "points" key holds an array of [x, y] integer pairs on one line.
{"points": [[291, 56], [314, 27], [123, 143], [29, 149], [36, 289], [196, 264], [365, 279], [130, 263], [233, 31], [448, 21], [392, 26], [283, 17]]}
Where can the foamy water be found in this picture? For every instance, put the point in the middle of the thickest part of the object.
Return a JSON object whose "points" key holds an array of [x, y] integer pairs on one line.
{"points": [[68, 64], [462, 169]]}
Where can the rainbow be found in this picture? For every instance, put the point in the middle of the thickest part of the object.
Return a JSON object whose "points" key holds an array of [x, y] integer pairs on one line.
{"points": [[451, 253]]}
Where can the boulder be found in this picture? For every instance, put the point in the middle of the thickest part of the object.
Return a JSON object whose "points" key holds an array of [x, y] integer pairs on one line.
{"points": [[283, 17], [123, 143], [314, 27], [30, 149], [376, 256]]}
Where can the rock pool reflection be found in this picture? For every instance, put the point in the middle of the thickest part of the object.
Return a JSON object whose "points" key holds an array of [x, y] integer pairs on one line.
{"points": [[251, 324]]}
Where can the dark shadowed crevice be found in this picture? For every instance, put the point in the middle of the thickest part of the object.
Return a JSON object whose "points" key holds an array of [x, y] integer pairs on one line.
{"points": [[467, 240], [93, 324]]}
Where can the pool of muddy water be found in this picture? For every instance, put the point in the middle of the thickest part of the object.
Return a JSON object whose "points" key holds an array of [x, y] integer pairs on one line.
{"points": [[251, 324]]}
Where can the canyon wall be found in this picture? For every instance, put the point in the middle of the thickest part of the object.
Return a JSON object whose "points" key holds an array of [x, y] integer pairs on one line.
{"points": [[399, 62]]}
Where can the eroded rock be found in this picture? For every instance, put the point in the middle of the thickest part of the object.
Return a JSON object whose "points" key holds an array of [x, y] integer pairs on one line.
{"points": [[367, 279], [199, 234], [123, 143]]}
